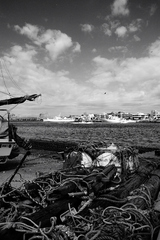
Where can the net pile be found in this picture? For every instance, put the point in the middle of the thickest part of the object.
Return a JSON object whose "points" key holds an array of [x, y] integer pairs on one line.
{"points": [[108, 196]]}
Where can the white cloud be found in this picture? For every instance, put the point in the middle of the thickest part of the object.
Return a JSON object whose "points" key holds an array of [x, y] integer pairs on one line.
{"points": [[104, 62], [104, 72], [115, 23], [77, 47], [135, 25], [54, 42], [126, 82], [87, 27], [106, 29], [114, 26], [154, 49], [59, 45], [121, 31], [153, 9], [31, 31], [136, 38], [129, 81], [119, 7], [57, 88], [94, 50], [23, 54], [118, 48], [132, 28]]}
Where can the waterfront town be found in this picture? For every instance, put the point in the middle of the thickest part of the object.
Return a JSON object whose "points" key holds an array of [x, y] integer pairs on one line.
{"points": [[153, 116]]}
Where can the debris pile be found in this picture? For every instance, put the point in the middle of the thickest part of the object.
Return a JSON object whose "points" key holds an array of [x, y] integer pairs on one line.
{"points": [[102, 192]]}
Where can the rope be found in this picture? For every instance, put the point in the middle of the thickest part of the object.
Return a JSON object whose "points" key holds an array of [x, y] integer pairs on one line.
{"points": [[121, 220]]}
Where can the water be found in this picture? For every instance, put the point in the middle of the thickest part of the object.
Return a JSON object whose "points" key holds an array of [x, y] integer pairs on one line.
{"points": [[137, 134]]}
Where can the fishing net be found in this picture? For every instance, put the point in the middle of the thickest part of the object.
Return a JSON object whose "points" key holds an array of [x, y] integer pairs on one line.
{"points": [[87, 203]]}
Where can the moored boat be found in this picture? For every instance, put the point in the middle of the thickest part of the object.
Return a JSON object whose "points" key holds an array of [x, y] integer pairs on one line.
{"points": [[116, 119], [58, 119], [10, 141], [83, 122], [80, 120]]}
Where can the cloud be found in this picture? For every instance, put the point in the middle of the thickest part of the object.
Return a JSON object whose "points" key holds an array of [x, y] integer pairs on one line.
{"points": [[87, 27], [118, 26], [135, 25], [119, 7], [114, 27], [114, 24], [104, 71], [94, 50], [56, 87], [129, 80], [59, 45], [118, 48], [31, 31], [125, 81], [121, 31], [124, 31], [154, 49], [136, 38], [153, 9], [106, 29], [77, 47], [54, 42], [19, 62], [23, 54]]}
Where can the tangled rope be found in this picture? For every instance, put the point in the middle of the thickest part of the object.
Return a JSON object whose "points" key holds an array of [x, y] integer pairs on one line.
{"points": [[80, 203]]}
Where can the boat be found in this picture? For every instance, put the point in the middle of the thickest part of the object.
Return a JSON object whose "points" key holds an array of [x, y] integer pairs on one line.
{"points": [[59, 119], [7, 141], [128, 121], [80, 120], [115, 119], [83, 122]]}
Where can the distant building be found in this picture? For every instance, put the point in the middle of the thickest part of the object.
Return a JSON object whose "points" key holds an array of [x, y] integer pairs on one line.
{"points": [[139, 116], [154, 113]]}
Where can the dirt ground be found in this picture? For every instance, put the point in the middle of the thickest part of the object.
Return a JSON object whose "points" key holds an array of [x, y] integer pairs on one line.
{"points": [[37, 163]]}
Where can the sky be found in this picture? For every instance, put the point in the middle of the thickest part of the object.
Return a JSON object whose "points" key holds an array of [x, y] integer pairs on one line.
{"points": [[82, 56]]}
